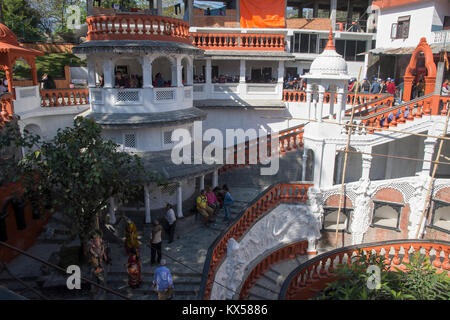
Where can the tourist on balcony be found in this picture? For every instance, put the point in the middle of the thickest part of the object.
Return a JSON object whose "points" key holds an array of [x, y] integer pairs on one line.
{"points": [[391, 88], [365, 86], [383, 86], [159, 80], [134, 83], [120, 81], [47, 82], [212, 200], [171, 220], [227, 202], [155, 242], [203, 208], [446, 88], [375, 88], [163, 282]]}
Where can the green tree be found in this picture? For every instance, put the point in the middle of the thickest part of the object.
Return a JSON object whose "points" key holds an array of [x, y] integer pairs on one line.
{"points": [[79, 171], [22, 19]]}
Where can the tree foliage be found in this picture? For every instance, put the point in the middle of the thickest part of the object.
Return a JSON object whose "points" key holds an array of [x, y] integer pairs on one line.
{"points": [[22, 19], [419, 281], [78, 171]]}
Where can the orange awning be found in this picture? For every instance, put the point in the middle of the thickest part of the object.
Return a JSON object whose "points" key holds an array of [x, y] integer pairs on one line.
{"points": [[262, 13]]}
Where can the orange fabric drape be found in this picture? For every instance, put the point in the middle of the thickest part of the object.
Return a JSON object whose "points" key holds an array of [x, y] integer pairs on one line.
{"points": [[262, 13]]}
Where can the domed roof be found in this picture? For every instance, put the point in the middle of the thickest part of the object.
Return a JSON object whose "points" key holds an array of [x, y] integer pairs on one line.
{"points": [[329, 62], [7, 36]]}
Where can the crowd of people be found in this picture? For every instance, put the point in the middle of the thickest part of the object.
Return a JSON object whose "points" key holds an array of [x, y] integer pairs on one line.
{"points": [[210, 201], [377, 86]]}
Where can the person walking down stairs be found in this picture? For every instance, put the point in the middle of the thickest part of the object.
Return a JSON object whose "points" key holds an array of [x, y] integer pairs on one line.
{"points": [[163, 282], [155, 242], [171, 220], [227, 203]]}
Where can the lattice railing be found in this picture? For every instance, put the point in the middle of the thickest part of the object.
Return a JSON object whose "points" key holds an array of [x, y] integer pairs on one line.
{"points": [[164, 94], [126, 96]]}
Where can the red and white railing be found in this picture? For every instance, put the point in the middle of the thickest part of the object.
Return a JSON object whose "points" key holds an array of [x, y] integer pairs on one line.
{"points": [[238, 41], [64, 97]]}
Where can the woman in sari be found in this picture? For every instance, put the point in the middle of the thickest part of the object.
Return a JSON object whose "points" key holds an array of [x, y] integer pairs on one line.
{"points": [[131, 239], [134, 270]]}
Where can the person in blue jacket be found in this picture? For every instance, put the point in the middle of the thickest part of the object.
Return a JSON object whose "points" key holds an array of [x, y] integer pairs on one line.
{"points": [[227, 202]]}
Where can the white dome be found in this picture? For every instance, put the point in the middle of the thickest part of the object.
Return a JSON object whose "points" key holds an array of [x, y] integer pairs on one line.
{"points": [[329, 62]]}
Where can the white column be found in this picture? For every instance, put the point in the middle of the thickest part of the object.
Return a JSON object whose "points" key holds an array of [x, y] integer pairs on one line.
{"points": [[202, 183], [215, 178], [242, 71], [333, 5], [308, 99], [428, 152], [280, 71], [208, 68], [159, 7], [340, 103], [147, 72], [189, 74], [180, 200], [366, 164], [91, 72], [332, 97], [179, 72], [148, 218], [112, 211], [320, 103], [304, 163], [108, 71]]}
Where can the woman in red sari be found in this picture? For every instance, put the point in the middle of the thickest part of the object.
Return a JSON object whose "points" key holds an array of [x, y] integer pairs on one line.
{"points": [[134, 270]]}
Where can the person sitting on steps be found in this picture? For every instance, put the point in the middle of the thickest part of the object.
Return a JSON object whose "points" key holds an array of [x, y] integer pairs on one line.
{"points": [[203, 208]]}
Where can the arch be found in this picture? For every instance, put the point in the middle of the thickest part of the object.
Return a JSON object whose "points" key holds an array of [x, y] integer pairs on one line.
{"points": [[130, 69], [430, 66], [187, 70], [163, 65]]}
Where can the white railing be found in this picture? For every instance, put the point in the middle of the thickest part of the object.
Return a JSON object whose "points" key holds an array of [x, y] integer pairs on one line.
{"points": [[127, 96], [263, 88], [188, 92], [199, 87], [164, 94], [226, 87], [441, 36]]}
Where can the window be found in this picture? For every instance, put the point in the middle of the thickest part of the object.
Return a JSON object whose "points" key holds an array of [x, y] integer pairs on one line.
{"points": [[167, 137], [350, 49], [446, 25], [129, 140], [400, 30], [330, 218], [440, 218], [386, 215], [305, 43]]}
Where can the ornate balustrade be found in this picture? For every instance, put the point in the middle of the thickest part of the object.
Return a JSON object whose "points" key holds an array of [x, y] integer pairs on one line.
{"points": [[239, 41], [285, 253], [288, 140], [263, 203], [312, 276], [137, 27], [408, 111], [64, 97], [362, 98], [373, 106], [7, 108]]}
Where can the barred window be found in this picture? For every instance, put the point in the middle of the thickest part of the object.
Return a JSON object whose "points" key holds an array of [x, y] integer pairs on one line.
{"points": [[386, 215], [130, 140], [167, 137]]}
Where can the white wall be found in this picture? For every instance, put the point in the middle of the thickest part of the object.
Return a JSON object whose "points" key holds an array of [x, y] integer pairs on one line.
{"points": [[159, 197], [423, 15]]}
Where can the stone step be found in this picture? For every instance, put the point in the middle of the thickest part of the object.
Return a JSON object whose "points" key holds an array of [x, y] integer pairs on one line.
{"points": [[255, 296], [260, 291], [269, 284]]}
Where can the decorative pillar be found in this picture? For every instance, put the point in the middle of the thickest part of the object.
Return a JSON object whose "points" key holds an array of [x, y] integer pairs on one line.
{"points": [[304, 163], [34, 72], [9, 78], [148, 218], [408, 81], [309, 98], [215, 179], [202, 182], [332, 97], [108, 71], [112, 211], [208, 71], [280, 71], [320, 103], [340, 104], [180, 200], [242, 71], [147, 72], [179, 72], [189, 73], [91, 73], [366, 164], [333, 5], [428, 152], [159, 8]]}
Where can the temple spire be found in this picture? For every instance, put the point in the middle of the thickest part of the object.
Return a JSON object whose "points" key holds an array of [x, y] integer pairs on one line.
{"points": [[330, 44]]}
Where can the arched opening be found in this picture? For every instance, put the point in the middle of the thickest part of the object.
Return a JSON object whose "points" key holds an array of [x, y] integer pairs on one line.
{"points": [[354, 167], [331, 217], [162, 68], [386, 215], [187, 71], [22, 73], [128, 73]]}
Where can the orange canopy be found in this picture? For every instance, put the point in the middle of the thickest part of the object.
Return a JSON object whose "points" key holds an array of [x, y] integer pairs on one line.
{"points": [[262, 13]]}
